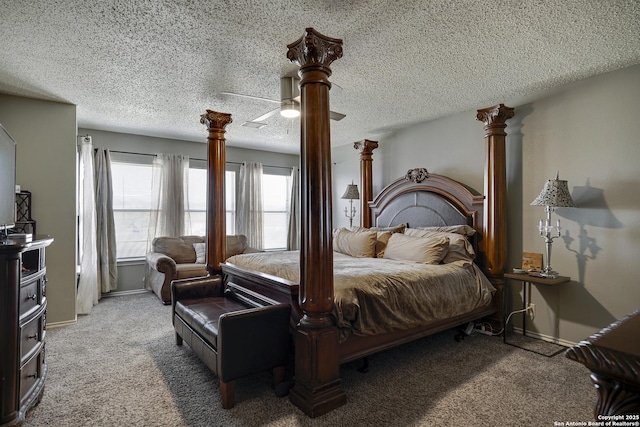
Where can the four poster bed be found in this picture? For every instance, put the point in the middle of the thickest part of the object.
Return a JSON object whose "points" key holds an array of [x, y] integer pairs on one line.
{"points": [[324, 335], [381, 302]]}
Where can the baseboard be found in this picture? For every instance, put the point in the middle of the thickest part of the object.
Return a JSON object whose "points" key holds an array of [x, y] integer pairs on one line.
{"points": [[106, 295], [547, 338], [125, 293], [62, 324]]}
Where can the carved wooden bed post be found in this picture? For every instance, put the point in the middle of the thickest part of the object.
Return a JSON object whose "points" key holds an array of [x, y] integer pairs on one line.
{"points": [[366, 148], [317, 369], [495, 190], [216, 165]]}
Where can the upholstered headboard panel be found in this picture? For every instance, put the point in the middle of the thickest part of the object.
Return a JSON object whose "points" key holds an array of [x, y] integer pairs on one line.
{"points": [[421, 199], [420, 209]]}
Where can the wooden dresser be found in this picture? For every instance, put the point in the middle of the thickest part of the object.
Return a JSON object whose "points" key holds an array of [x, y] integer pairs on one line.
{"points": [[23, 308]]}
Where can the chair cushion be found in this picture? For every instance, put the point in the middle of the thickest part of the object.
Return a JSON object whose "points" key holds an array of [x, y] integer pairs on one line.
{"points": [[203, 314], [180, 249]]}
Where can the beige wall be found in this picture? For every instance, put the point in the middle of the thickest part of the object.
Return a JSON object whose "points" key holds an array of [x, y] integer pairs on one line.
{"points": [[590, 132], [45, 133], [151, 145]]}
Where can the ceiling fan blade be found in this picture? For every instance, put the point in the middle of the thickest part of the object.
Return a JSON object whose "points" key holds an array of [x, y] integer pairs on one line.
{"points": [[259, 122], [255, 125], [249, 97], [332, 114], [336, 116], [265, 116]]}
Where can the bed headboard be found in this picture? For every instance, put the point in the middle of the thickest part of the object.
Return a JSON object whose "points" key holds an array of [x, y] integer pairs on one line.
{"points": [[421, 199]]}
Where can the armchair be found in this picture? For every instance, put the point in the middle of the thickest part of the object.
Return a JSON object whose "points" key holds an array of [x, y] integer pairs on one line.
{"points": [[173, 258]]}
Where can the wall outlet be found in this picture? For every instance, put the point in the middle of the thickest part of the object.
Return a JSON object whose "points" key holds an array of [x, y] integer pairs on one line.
{"points": [[532, 310]]}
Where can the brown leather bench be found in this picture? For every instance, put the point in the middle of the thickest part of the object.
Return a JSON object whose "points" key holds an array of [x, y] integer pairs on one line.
{"points": [[233, 330]]}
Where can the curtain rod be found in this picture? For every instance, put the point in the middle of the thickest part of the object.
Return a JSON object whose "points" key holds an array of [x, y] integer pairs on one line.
{"points": [[194, 158]]}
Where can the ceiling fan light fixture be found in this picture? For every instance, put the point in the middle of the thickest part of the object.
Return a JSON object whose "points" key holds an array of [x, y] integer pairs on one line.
{"points": [[289, 109]]}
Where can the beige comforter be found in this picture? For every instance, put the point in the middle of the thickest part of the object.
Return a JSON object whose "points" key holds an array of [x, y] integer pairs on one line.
{"points": [[374, 295]]}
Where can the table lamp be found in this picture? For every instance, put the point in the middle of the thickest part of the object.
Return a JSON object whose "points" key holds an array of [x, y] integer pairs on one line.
{"points": [[555, 194], [351, 193]]}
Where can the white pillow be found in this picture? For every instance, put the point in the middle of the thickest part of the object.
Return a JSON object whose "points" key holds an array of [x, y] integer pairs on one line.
{"points": [[465, 230], [360, 244], [416, 249], [201, 252], [382, 237], [394, 228], [460, 249]]}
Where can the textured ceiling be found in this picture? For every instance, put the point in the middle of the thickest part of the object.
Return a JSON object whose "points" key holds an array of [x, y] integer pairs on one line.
{"points": [[152, 67]]}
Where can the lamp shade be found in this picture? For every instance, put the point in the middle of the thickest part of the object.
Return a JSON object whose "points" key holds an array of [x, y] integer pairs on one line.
{"points": [[351, 192], [555, 194]]}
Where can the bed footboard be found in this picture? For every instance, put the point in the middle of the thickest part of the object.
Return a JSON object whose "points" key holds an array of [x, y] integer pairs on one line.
{"points": [[273, 287]]}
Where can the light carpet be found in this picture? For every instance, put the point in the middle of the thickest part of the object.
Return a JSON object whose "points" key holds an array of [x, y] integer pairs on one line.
{"points": [[120, 366]]}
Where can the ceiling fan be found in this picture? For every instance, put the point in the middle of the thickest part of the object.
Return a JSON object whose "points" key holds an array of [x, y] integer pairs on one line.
{"points": [[289, 104]]}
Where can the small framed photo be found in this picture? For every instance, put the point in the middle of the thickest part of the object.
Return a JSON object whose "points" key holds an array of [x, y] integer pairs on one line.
{"points": [[531, 261]]}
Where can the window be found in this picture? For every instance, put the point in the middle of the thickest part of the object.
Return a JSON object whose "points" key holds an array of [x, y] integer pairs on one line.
{"points": [[198, 198], [132, 183], [131, 177], [276, 195]]}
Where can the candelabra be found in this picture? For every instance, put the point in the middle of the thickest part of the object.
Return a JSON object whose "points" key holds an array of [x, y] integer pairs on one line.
{"points": [[351, 193], [549, 232], [554, 194]]}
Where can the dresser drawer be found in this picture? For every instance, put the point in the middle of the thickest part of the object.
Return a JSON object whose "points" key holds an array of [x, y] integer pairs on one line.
{"points": [[30, 374], [31, 295], [31, 337]]}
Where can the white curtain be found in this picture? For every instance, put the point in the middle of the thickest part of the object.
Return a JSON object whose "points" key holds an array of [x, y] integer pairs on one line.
{"points": [[170, 202], [98, 268], [249, 210], [293, 239], [106, 230], [88, 287]]}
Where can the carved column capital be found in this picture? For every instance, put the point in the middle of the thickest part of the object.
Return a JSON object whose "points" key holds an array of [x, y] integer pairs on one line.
{"points": [[365, 147], [314, 50], [495, 116], [215, 120]]}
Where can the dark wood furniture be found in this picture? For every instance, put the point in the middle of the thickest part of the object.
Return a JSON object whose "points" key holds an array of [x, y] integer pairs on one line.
{"points": [[317, 349], [23, 307], [528, 279], [613, 357], [234, 331]]}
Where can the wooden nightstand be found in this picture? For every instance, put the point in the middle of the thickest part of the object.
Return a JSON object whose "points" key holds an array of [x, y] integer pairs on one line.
{"points": [[527, 280]]}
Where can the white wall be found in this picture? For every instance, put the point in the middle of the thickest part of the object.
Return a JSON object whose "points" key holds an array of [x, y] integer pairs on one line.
{"points": [[590, 132], [45, 133]]}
